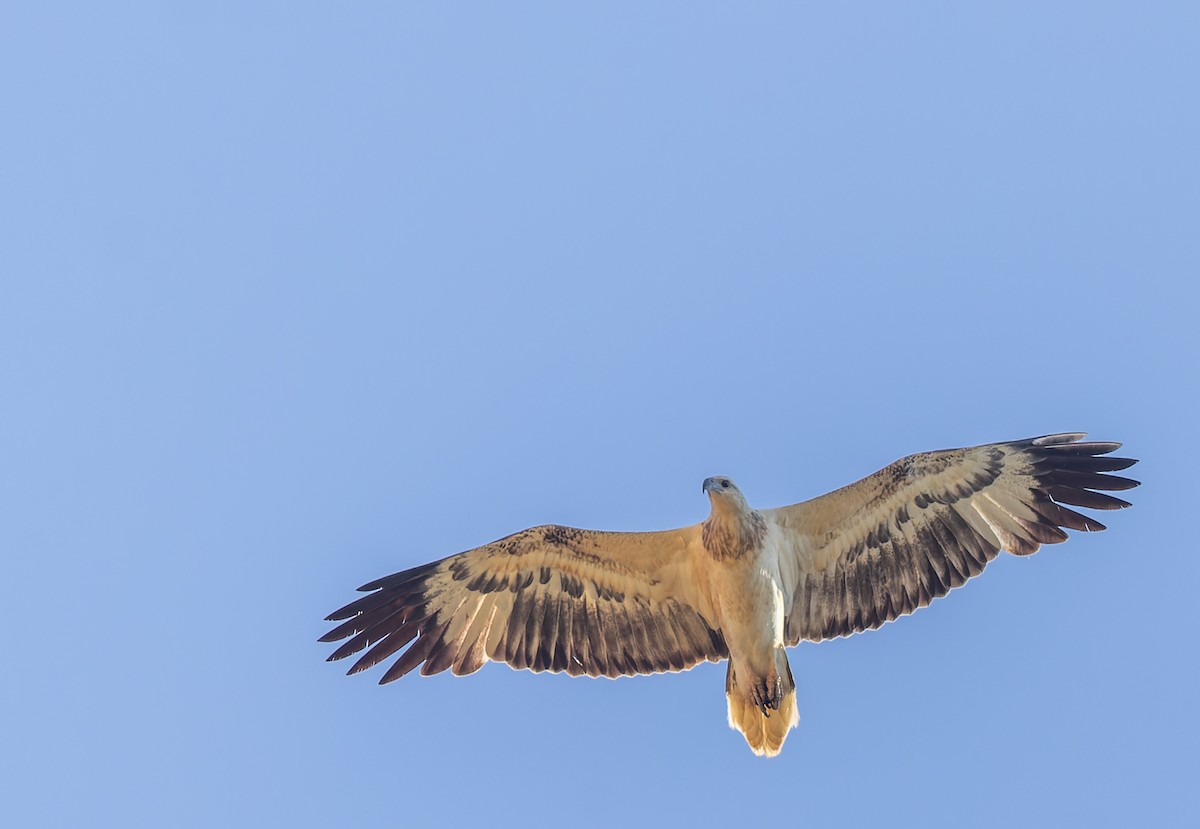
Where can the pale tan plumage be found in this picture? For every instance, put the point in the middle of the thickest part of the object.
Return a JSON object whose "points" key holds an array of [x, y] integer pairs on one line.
{"points": [[739, 586]]}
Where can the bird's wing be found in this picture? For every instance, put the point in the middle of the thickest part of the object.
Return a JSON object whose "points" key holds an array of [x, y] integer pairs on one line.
{"points": [[896, 540], [547, 598]]}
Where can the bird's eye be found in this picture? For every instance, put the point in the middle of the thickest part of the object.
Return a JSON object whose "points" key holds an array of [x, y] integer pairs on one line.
{"points": [[724, 484]]}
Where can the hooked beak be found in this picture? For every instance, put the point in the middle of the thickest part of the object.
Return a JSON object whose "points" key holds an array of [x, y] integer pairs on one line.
{"points": [[709, 483]]}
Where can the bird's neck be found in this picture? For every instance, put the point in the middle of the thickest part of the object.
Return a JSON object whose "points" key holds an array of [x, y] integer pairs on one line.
{"points": [[730, 533]]}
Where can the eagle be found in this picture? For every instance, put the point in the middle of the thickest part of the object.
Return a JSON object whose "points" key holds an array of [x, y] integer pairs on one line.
{"points": [[743, 585]]}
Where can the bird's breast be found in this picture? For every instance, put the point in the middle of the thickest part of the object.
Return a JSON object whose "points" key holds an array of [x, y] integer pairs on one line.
{"points": [[733, 535]]}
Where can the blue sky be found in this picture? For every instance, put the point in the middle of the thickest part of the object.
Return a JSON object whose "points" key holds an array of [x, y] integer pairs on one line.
{"points": [[299, 294]]}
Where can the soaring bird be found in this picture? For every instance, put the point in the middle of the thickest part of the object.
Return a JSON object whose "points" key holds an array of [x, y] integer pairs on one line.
{"points": [[741, 586]]}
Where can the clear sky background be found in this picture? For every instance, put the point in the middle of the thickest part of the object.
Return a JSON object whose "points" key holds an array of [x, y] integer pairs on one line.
{"points": [[296, 295]]}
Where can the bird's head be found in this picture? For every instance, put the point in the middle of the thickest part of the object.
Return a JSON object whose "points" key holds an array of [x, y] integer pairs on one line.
{"points": [[724, 494]]}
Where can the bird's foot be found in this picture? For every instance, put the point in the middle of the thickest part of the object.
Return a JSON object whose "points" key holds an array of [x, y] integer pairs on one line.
{"points": [[767, 693]]}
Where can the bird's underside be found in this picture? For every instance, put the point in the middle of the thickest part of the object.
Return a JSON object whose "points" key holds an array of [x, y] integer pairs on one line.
{"points": [[739, 586]]}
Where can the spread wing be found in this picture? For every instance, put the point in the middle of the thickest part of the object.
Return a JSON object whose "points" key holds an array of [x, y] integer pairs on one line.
{"points": [[896, 540], [547, 598]]}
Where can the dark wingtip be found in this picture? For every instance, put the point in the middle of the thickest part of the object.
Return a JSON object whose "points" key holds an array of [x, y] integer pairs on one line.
{"points": [[1072, 472]]}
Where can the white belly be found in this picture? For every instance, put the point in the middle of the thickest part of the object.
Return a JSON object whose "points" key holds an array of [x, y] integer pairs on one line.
{"points": [[748, 596]]}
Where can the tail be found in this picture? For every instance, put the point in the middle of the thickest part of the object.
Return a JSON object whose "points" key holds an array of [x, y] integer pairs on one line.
{"points": [[764, 711]]}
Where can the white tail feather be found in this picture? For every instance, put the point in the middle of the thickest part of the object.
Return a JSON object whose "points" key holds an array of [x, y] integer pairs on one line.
{"points": [[764, 732]]}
